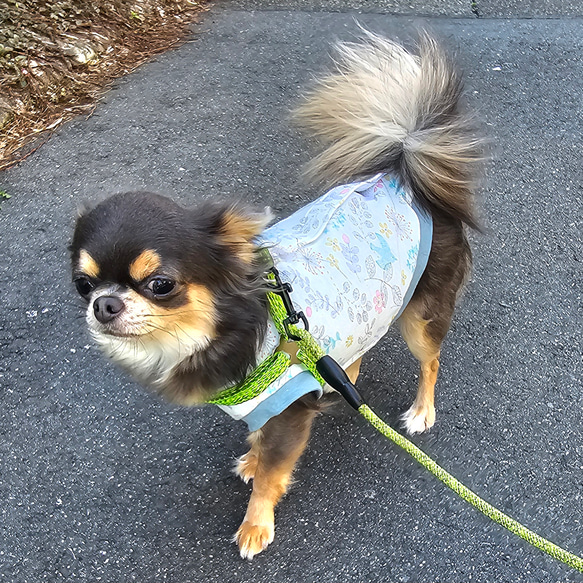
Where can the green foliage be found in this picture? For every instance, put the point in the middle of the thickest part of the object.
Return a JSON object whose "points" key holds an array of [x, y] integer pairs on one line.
{"points": [[4, 196]]}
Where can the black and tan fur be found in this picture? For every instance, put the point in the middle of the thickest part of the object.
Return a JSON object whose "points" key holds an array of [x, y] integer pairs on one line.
{"points": [[177, 296]]}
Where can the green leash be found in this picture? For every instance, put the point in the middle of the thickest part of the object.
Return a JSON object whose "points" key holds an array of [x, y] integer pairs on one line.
{"points": [[490, 511], [327, 370]]}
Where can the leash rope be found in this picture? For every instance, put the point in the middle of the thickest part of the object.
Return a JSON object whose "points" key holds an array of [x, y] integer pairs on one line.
{"points": [[325, 369], [464, 492]]}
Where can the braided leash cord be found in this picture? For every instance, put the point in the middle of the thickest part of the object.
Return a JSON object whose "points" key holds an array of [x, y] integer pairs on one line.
{"points": [[313, 352], [490, 511]]}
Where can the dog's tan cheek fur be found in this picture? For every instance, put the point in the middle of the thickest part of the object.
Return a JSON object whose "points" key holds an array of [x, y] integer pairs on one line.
{"points": [[158, 339], [198, 314], [195, 319]]}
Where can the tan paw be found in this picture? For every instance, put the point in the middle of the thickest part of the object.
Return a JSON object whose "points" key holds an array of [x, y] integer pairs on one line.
{"points": [[419, 418], [246, 466], [253, 538]]}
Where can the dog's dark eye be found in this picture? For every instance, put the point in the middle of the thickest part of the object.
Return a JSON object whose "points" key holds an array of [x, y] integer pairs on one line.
{"points": [[84, 286], [161, 286]]}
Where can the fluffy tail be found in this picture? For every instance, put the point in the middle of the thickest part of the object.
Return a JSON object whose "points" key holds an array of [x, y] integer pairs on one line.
{"points": [[386, 110]]}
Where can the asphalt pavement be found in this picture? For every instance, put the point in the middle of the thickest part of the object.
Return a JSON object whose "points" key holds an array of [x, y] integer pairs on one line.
{"points": [[100, 481]]}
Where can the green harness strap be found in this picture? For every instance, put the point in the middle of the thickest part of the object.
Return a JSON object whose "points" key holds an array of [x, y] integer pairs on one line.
{"points": [[309, 353], [270, 369]]}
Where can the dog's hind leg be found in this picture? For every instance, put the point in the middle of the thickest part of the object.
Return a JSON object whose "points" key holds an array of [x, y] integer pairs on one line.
{"points": [[353, 371], [426, 319], [423, 337], [276, 447], [414, 329]]}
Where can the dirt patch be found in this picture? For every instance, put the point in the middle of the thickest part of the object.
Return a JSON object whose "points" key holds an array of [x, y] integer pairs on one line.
{"points": [[58, 56]]}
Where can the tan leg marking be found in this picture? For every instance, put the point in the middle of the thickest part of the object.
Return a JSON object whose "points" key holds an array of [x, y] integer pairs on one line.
{"points": [[246, 465], [258, 528], [421, 415], [282, 441]]}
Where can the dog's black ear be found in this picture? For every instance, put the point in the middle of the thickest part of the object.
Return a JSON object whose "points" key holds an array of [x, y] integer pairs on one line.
{"points": [[83, 208], [237, 227]]}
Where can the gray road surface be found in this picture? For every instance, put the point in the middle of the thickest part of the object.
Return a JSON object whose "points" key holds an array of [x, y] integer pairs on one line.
{"points": [[101, 482]]}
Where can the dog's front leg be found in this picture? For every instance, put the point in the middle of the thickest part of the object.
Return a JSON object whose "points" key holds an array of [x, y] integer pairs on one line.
{"points": [[275, 449]]}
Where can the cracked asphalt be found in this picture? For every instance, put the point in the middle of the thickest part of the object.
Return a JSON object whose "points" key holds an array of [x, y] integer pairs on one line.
{"points": [[100, 481]]}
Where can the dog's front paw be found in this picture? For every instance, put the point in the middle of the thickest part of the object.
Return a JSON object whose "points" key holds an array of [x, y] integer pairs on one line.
{"points": [[246, 466], [253, 538], [419, 418]]}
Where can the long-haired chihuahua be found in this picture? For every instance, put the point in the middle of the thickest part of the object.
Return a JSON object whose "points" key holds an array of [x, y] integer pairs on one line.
{"points": [[177, 296]]}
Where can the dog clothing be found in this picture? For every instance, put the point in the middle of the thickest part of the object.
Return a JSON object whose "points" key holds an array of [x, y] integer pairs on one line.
{"points": [[353, 257]]}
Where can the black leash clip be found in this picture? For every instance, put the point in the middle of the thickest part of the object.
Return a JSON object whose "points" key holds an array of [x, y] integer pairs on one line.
{"points": [[328, 368], [283, 289]]}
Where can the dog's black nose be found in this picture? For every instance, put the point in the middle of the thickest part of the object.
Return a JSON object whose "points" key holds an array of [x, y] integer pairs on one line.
{"points": [[106, 308]]}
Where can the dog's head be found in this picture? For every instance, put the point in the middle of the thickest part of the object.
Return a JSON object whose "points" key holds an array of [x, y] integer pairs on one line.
{"points": [[161, 283]]}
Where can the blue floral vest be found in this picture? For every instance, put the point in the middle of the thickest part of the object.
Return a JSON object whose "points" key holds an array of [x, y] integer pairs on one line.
{"points": [[354, 257]]}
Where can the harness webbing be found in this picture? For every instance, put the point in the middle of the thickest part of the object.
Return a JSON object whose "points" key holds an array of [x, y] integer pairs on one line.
{"points": [[309, 352], [267, 372]]}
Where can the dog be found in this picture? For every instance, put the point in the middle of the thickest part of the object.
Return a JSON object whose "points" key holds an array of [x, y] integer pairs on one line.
{"points": [[177, 296]]}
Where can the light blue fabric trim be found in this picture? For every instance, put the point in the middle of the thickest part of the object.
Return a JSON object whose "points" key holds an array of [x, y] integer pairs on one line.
{"points": [[425, 241], [275, 404]]}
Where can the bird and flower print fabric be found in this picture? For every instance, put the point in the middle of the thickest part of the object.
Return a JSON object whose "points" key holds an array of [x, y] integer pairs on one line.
{"points": [[353, 258]]}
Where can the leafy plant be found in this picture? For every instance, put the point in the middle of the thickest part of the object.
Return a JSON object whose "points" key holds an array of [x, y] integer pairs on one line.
{"points": [[4, 196]]}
